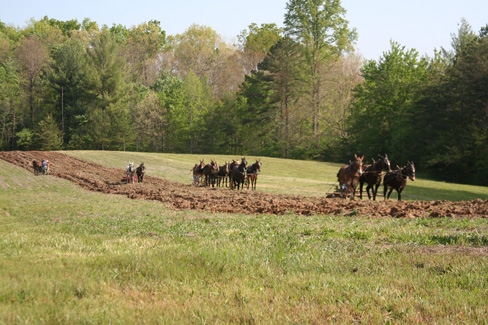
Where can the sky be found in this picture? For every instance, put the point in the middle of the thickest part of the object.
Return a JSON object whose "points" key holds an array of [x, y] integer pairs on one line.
{"points": [[422, 25]]}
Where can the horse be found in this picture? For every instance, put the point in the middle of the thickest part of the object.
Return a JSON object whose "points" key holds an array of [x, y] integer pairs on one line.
{"points": [[37, 165], [233, 165], [372, 175], [348, 176], [238, 174], [130, 171], [197, 172], [223, 174], [140, 171], [210, 171], [398, 179], [252, 174]]}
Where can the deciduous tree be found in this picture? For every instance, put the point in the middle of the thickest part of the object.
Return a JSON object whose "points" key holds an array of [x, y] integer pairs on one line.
{"points": [[320, 26]]}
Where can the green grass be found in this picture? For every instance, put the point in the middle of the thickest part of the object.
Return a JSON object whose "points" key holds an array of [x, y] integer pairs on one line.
{"points": [[72, 256], [279, 175]]}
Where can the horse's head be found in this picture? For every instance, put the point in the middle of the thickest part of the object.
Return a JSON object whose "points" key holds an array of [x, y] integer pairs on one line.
{"points": [[384, 163], [226, 167], [258, 165], [410, 170], [358, 164], [202, 163]]}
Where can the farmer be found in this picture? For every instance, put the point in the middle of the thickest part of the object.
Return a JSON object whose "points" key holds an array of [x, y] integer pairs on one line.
{"points": [[45, 166]]}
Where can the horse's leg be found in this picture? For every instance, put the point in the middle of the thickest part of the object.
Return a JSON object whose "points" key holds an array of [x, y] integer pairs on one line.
{"points": [[367, 191], [361, 183], [375, 191], [389, 193], [400, 194]]}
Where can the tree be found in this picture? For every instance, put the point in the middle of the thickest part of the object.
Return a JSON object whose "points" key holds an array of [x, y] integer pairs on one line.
{"points": [[320, 26], [342, 77], [166, 114], [382, 119], [198, 100], [9, 104], [142, 46], [110, 87], [68, 77], [456, 107], [32, 57], [282, 64], [256, 42], [48, 136], [460, 40]]}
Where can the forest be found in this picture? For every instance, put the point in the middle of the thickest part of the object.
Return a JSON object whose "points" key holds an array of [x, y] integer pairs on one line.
{"points": [[298, 92]]}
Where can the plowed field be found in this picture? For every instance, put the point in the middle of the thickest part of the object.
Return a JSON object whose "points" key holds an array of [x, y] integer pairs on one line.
{"points": [[97, 178]]}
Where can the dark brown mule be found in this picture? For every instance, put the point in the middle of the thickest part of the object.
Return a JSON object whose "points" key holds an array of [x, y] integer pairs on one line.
{"points": [[140, 171], [348, 176], [197, 172], [238, 175], [37, 165], [398, 179], [210, 171], [223, 174], [372, 175], [233, 165], [252, 174]]}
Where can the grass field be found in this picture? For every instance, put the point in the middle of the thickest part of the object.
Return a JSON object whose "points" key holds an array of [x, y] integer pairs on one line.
{"points": [[278, 175], [72, 256]]}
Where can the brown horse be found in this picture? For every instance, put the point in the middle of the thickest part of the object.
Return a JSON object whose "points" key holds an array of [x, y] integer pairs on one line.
{"points": [[37, 165], [210, 171], [238, 175], [372, 175], [398, 179], [252, 174], [348, 176], [223, 174], [197, 172], [140, 171]]}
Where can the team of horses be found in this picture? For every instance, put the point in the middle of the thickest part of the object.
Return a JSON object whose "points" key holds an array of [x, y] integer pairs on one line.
{"points": [[357, 173], [233, 174], [132, 171]]}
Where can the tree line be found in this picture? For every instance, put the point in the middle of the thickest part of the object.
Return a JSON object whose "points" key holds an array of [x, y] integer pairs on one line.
{"points": [[296, 92]]}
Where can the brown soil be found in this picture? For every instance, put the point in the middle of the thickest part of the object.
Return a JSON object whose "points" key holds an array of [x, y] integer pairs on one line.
{"points": [[177, 196]]}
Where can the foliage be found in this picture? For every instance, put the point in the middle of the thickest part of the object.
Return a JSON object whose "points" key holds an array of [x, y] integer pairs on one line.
{"points": [[25, 139], [323, 31], [384, 106], [48, 136], [281, 92], [9, 104]]}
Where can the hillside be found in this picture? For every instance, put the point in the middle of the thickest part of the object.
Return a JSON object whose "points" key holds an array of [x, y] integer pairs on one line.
{"points": [[180, 196]]}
